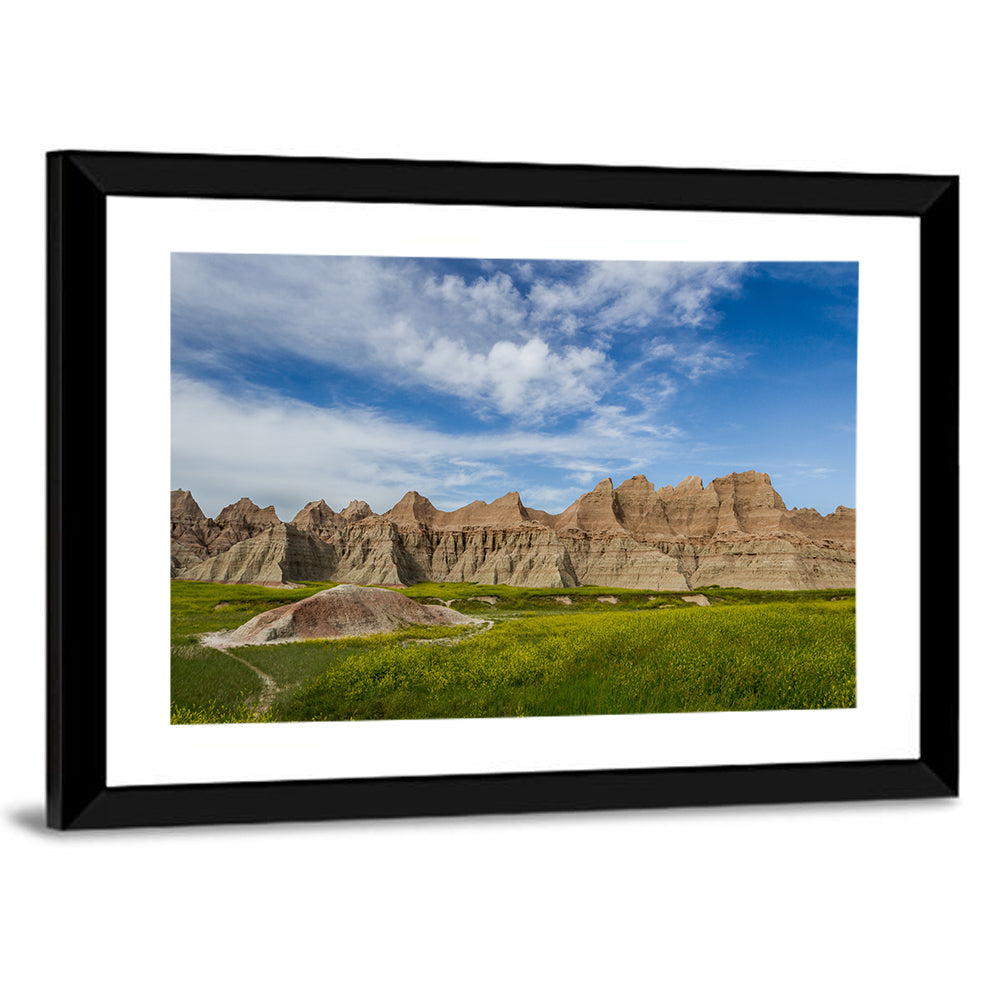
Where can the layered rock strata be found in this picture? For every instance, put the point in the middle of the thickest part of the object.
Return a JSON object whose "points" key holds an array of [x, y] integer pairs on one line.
{"points": [[194, 537], [340, 611], [734, 532]]}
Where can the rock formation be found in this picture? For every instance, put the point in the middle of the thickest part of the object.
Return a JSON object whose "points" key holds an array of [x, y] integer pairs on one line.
{"points": [[337, 612], [734, 532], [194, 537], [276, 555], [190, 532]]}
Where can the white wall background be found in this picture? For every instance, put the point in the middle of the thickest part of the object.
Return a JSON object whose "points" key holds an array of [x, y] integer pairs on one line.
{"points": [[868, 900]]}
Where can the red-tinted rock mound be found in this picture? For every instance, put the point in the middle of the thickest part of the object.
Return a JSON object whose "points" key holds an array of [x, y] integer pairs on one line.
{"points": [[340, 611]]}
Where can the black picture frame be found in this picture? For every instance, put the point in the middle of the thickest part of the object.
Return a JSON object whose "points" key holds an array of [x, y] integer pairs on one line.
{"points": [[79, 184]]}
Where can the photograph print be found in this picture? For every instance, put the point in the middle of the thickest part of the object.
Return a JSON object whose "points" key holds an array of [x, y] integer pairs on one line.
{"points": [[431, 488]]}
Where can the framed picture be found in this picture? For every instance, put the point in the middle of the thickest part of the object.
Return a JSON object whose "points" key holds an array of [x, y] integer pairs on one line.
{"points": [[538, 487]]}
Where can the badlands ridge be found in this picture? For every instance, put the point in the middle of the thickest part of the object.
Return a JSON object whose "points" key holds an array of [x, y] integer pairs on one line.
{"points": [[734, 532]]}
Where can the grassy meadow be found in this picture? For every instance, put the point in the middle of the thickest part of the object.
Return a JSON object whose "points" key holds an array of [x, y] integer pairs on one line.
{"points": [[535, 652]]}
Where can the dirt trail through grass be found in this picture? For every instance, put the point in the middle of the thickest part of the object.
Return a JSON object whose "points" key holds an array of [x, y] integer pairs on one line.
{"points": [[484, 625], [270, 690]]}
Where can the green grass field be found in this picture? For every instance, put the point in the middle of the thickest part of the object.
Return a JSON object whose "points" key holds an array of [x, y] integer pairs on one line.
{"points": [[650, 652]]}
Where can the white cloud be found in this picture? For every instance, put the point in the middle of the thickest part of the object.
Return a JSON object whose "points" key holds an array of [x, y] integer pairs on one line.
{"points": [[636, 294], [698, 359], [287, 452], [485, 301], [480, 340], [525, 380]]}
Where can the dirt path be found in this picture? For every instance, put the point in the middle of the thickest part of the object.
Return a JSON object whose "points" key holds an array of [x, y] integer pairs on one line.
{"points": [[270, 690], [487, 624]]}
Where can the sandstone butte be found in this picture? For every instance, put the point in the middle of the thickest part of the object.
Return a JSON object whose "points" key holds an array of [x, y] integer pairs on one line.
{"points": [[734, 532]]}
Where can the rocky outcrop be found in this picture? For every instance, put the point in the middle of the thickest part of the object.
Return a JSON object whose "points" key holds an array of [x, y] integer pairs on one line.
{"points": [[276, 555], [598, 510], [191, 533], [772, 564], [240, 521], [736, 532], [356, 510], [318, 520], [195, 537], [340, 611], [188, 525]]}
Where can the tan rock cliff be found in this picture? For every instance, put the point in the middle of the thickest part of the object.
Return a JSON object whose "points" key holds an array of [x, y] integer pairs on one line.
{"points": [[736, 532]]}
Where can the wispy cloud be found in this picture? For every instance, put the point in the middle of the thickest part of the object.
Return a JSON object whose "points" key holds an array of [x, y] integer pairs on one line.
{"points": [[488, 341], [637, 294], [699, 359], [287, 452]]}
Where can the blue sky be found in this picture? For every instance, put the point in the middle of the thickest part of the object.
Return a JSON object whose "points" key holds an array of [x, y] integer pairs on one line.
{"points": [[296, 378]]}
